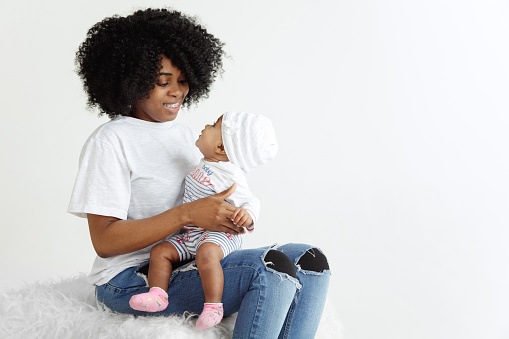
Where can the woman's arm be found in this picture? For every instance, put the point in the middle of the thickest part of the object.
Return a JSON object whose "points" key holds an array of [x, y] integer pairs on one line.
{"points": [[111, 236]]}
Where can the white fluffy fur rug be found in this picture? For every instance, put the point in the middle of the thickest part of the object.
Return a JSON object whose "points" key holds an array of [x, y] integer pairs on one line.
{"points": [[67, 309]]}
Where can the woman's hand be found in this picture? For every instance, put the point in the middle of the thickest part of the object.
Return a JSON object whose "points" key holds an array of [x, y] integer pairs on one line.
{"points": [[213, 213]]}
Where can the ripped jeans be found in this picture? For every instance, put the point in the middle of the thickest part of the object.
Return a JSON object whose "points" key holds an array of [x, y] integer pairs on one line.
{"points": [[275, 298]]}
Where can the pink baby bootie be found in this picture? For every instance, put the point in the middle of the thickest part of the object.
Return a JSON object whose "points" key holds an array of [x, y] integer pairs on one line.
{"points": [[154, 300], [210, 316]]}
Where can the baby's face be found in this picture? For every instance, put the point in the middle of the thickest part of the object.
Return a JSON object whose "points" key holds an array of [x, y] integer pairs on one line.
{"points": [[210, 139]]}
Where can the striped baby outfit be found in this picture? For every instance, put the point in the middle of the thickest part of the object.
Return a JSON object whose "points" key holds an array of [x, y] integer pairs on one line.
{"points": [[208, 178]]}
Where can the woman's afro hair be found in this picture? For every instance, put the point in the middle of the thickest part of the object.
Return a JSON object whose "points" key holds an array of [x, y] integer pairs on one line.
{"points": [[120, 58]]}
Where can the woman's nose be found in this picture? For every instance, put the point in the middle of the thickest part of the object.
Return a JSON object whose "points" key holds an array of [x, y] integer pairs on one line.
{"points": [[175, 90]]}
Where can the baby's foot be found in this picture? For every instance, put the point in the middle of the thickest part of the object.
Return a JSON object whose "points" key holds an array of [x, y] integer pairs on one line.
{"points": [[154, 300], [210, 316]]}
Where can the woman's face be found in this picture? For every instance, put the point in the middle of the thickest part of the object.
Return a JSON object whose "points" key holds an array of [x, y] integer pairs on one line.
{"points": [[167, 96]]}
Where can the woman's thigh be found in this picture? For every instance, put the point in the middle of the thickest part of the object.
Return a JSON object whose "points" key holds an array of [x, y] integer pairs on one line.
{"points": [[185, 294]]}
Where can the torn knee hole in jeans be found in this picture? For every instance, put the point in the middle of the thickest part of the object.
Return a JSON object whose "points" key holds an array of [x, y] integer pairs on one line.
{"points": [[278, 263], [313, 261]]}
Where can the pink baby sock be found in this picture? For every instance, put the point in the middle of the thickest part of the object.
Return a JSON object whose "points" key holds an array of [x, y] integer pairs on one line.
{"points": [[211, 315], [154, 300]]}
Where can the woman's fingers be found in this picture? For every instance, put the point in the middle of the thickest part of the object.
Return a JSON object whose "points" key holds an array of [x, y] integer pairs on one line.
{"points": [[230, 227]]}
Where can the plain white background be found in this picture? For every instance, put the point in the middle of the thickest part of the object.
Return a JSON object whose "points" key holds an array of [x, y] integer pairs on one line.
{"points": [[392, 119]]}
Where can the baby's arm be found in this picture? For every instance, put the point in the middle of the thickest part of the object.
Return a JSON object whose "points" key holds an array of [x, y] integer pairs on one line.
{"points": [[247, 205]]}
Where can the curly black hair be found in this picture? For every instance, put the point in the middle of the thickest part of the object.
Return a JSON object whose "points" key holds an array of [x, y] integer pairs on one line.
{"points": [[121, 57]]}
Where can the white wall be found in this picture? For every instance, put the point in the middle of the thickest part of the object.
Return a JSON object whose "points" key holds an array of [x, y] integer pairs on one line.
{"points": [[392, 118]]}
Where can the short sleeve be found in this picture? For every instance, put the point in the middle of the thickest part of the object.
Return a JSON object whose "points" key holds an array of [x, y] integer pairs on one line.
{"points": [[103, 184]]}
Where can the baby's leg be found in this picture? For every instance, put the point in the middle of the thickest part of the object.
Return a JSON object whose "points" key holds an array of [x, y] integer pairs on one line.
{"points": [[161, 258], [208, 259]]}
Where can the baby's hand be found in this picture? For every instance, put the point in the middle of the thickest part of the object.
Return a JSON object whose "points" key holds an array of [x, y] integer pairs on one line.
{"points": [[241, 217]]}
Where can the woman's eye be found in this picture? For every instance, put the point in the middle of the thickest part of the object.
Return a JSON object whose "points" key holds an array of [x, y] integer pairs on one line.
{"points": [[182, 81], [164, 84]]}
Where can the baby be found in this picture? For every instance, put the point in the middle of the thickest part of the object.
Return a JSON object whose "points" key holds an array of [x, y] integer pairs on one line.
{"points": [[236, 143]]}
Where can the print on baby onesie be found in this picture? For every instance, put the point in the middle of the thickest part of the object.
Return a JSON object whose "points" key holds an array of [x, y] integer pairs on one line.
{"points": [[207, 170], [201, 177], [198, 185]]}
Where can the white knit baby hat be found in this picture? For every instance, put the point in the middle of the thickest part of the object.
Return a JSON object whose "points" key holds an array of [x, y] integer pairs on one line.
{"points": [[249, 140]]}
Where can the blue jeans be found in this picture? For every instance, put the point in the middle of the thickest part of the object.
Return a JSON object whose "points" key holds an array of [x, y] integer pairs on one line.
{"points": [[271, 304]]}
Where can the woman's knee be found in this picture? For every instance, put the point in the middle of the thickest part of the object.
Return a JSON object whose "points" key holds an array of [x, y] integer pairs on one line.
{"points": [[313, 260], [280, 262]]}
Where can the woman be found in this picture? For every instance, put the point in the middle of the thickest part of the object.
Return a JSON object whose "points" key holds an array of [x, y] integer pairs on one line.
{"points": [[139, 70]]}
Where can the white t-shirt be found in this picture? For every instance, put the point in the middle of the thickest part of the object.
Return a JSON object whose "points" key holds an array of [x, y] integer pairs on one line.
{"points": [[132, 169]]}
